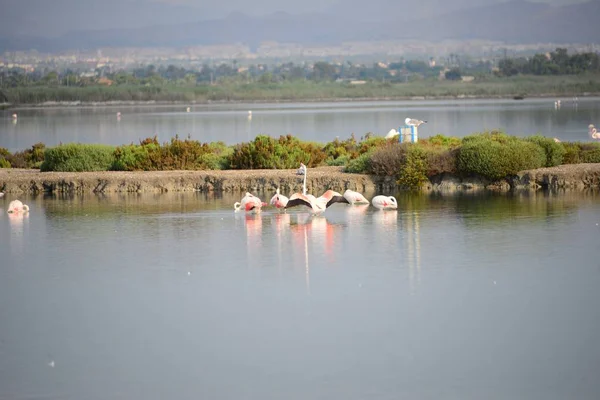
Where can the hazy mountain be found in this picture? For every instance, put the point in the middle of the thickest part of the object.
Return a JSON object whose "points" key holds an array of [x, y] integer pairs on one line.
{"points": [[514, 21]]}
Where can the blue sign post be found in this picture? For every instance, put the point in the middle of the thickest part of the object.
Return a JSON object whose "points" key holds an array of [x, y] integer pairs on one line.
{"points": [[408, 131]]}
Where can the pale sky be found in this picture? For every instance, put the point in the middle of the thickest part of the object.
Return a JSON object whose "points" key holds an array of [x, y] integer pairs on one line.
{"points": [[47, 18]]}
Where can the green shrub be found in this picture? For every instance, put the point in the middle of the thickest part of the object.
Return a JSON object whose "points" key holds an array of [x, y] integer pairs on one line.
{"points": [[590, 153], [496, 157], [440, 160], [77, 157], [576, 153], [387, 160], [339, 161], [414, 167], [265, 152], [176, 154], [442, 141], [4, 156], [29, 158], [359, 165], [554, 151]]}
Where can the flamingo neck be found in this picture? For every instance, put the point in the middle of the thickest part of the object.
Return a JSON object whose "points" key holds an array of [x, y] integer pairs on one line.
{"points": [[304, 182]]}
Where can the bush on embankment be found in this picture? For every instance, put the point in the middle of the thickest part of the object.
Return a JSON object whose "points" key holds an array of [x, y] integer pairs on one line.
{"points": [[491, 155], [77, 157], [177, 154]]}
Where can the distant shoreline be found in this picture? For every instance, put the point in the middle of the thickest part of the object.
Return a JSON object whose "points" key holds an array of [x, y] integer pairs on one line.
{"points": [[115, 103]]}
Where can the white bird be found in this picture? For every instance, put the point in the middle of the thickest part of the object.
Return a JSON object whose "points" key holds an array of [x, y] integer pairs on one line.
{"points": [[16, 207], [1, 194], [188, 109], [301, 170], [317, 205], [594, 134], [414, 122], [249, 203], [249, 115], [278, 200], [392, 133], [355, 197], [384, 202], [14, 116]]}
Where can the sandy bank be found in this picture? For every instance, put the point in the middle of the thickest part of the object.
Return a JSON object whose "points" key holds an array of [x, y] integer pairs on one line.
{"points": [[577, 176]]}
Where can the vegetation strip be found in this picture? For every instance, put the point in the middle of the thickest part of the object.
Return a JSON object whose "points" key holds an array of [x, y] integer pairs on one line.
{"points": [[488, 156]]}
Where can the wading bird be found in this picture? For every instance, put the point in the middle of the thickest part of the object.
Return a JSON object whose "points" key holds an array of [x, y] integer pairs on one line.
{"points": [[249, 203], [414, 122], [278, 200], [384, 202], [16, 207], [317, 205], [355, 197], [594, 134]]}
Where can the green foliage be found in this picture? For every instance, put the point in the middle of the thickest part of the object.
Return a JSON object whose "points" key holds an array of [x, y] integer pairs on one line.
{"points": [[496, 156], [388, 160], [77, 157], [29, 158], [577, 152], [554, 151], [4, 156], [339, 161], [265, 152], [442, 141], [359, 165], [414, 167], [177, 154]]}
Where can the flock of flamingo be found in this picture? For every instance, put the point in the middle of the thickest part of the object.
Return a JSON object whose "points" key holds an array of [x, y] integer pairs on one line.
{"points": [[251, 203]]}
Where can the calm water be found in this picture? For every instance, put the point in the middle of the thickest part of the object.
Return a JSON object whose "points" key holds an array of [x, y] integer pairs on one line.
{"points": [[175, 296], [309, 121]]}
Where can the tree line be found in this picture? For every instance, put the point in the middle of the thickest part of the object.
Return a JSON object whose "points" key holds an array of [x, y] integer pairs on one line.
{"points": [[558, 62]]}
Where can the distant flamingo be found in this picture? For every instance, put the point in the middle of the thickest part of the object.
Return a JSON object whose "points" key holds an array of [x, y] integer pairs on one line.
{"points": [[594, 134], [355, 197], [384, 202], [14, 116], [16, 207], [249, 203]]}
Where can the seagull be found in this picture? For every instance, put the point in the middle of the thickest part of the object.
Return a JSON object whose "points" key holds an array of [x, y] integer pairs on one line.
{"points": [[384, 202], [414, 122], [594, 134]]}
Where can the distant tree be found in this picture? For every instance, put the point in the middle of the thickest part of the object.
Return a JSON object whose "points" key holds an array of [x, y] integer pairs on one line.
{"points": [[323, 71], [453, 74]]}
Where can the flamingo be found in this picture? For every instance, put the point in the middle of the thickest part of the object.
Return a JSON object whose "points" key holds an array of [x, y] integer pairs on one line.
{"points": [[414, 122], [301, 170], [16, 207], [384, 202], [278, 200], [594, 134], [319, 204], [355, 197], [14, 116], [249, 203]]}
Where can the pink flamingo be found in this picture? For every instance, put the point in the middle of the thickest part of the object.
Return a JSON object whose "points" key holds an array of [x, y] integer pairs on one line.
{"points": [[384, 202], [16, 207], [249, 203]]}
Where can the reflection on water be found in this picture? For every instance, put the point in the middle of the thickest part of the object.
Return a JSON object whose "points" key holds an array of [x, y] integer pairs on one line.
{"points": [[320, 122], [175, 295]]}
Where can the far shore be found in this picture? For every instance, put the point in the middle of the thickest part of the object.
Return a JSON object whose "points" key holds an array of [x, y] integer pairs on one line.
{"points": [[115, 103], [23, 181]]}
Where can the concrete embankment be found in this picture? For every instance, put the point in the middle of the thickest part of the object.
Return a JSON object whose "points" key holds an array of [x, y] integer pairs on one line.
{"points": [[577, 176]]}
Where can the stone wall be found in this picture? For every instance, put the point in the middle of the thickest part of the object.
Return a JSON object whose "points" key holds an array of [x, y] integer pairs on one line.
{"points": [[318, 180]]}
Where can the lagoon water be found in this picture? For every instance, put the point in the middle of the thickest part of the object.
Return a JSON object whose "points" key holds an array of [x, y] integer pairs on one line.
{"points": [[156, 296], [320, 122]]}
